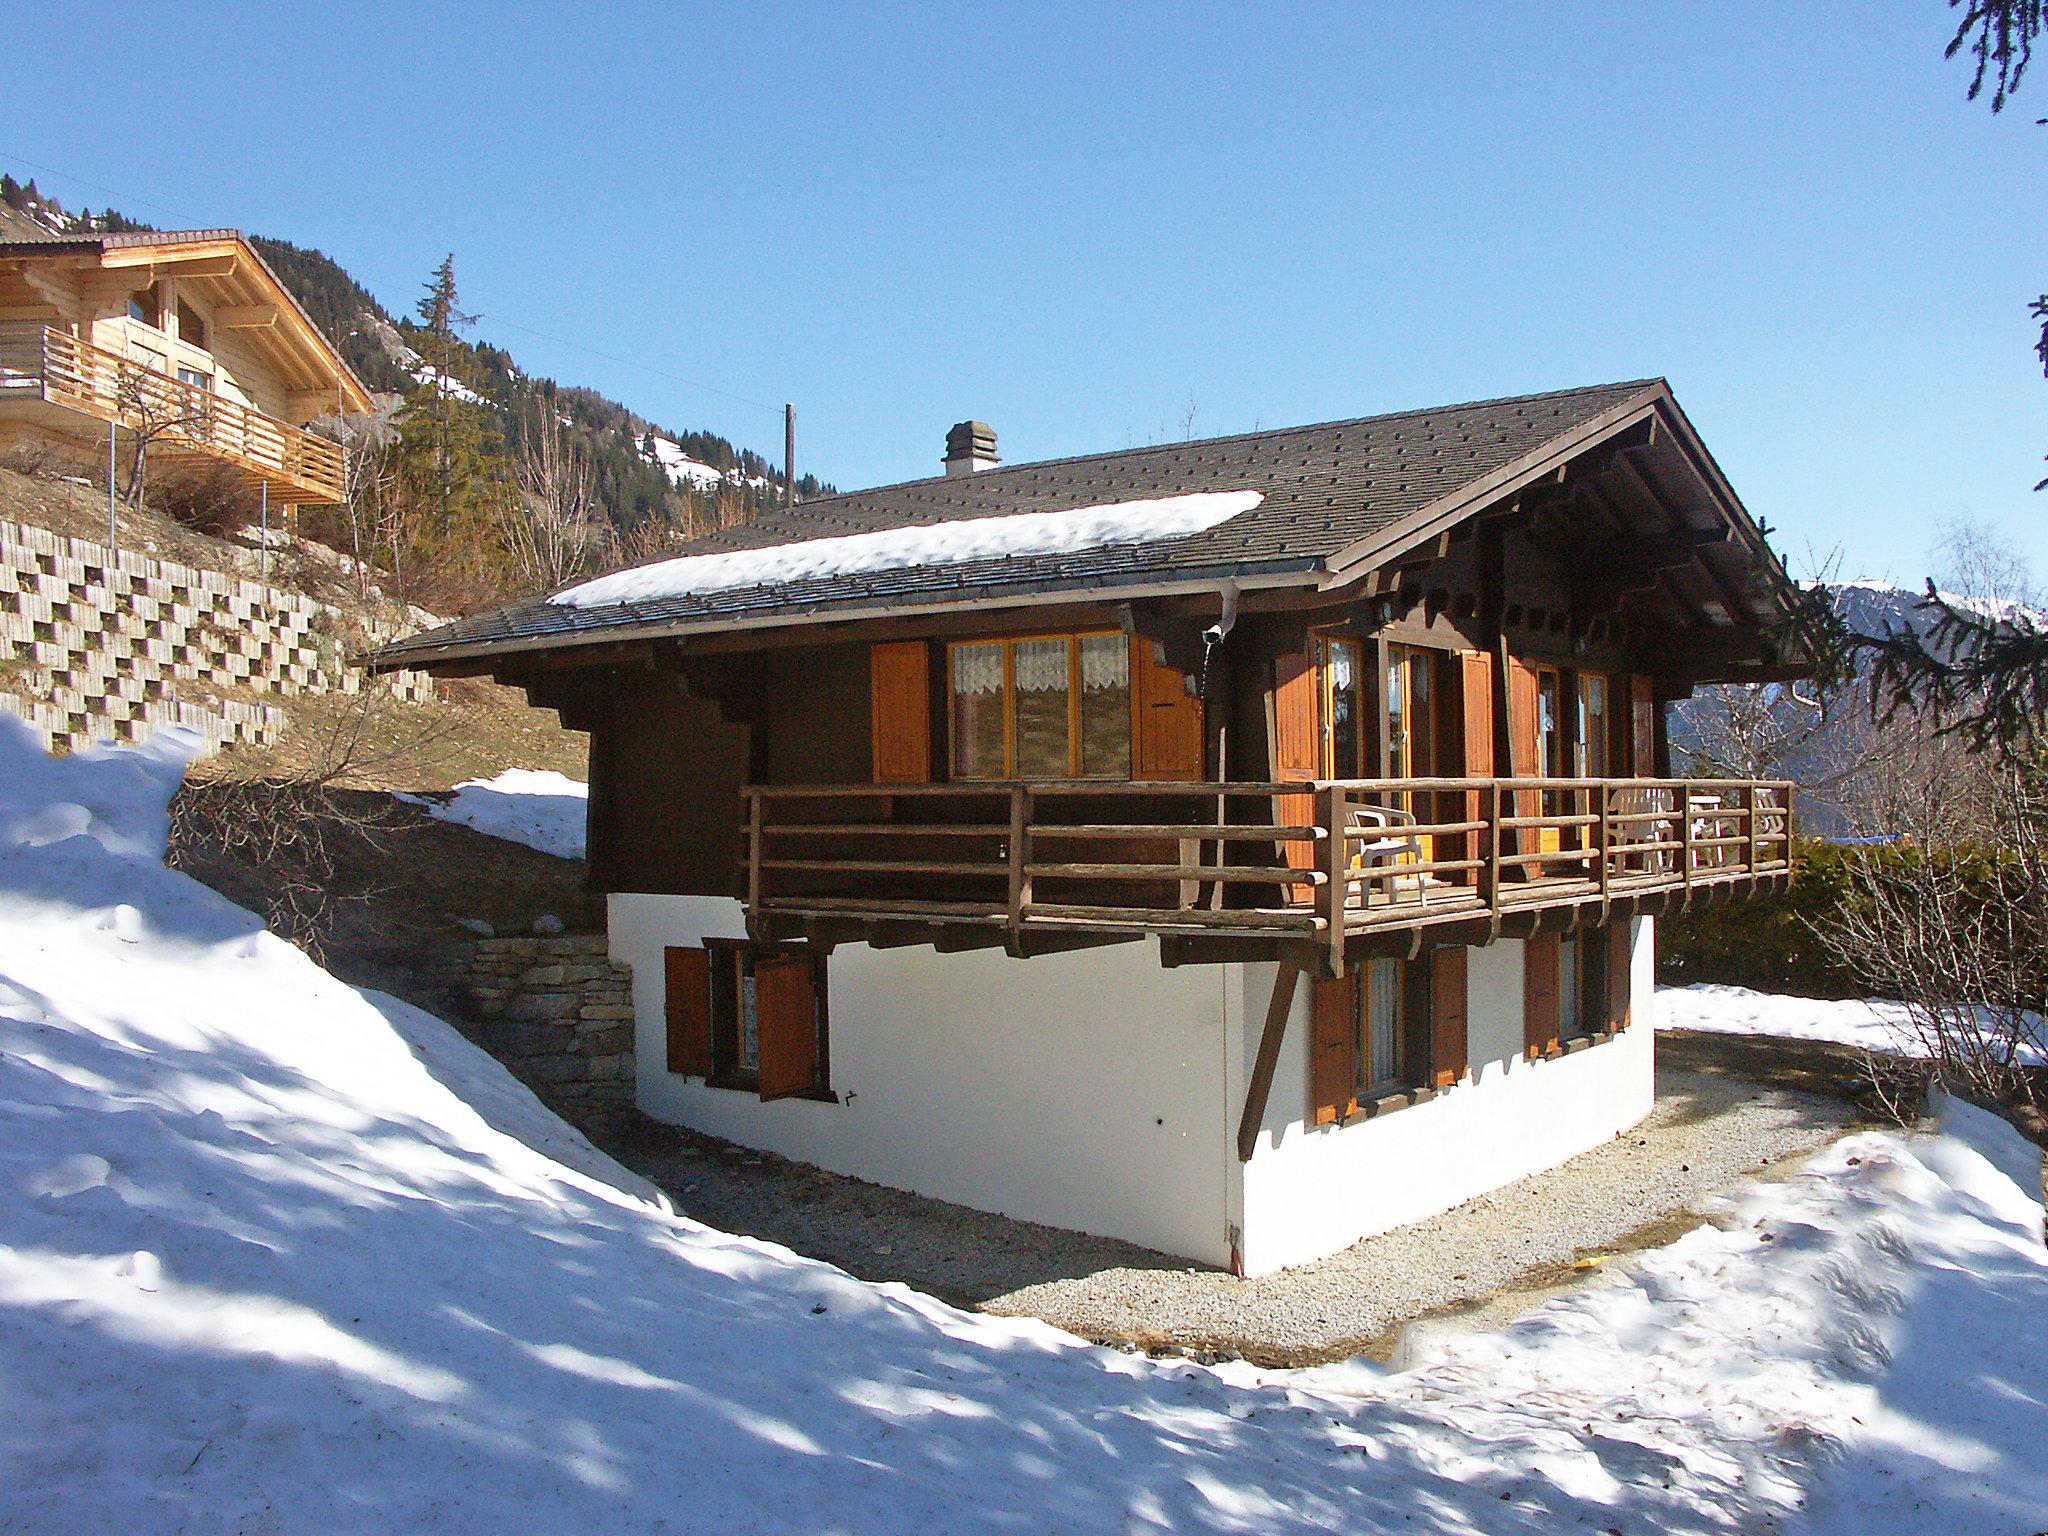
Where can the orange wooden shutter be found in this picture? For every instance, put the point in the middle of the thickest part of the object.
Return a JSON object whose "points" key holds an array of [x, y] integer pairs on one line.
{"points": [[1642, 721], [1166, 720], [1447, 1048], [687, 1003], [1333, 1047], [1539, 994], [1475, 701], [900, 687], [786, 1015], [1297, 747], [1619, 952]]}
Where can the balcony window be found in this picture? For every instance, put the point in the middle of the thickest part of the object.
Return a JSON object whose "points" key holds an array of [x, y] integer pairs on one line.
{"points": [[191, 329], [1047, 707], [146, 305]]}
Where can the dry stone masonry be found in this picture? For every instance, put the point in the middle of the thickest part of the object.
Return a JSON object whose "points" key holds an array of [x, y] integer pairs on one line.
{"points": [[99, 641], [553, 1008]]}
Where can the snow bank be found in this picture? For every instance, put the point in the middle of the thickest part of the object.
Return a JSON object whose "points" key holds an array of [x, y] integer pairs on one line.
{"points": [[1872, 1024], [541, 809], [947, 543], [278, 1254]]}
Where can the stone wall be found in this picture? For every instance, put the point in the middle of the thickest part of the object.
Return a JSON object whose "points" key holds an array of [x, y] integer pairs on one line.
{"points": [[96, 643], [553, 1008]]}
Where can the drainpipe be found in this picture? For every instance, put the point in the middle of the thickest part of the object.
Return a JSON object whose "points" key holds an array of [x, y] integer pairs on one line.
{"points": [[1216, 698]]}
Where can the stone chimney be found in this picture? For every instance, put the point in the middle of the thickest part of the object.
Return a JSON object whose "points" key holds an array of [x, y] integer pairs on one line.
{"points": [[970, 448]]}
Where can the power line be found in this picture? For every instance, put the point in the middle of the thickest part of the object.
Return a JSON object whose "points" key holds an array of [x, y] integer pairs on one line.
{"points": [[561, 341]]}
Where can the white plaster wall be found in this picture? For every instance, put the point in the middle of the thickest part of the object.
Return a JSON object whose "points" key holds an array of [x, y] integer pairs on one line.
{"points": [[1085, 1090], [1311, 1191]]}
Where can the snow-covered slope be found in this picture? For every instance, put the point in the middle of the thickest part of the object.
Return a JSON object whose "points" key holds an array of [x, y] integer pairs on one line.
{"points": [[277, 1255], [1873, 1024], [539, 808]]}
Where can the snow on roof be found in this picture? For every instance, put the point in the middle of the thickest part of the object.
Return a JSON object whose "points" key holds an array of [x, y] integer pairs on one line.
{"points": [[946, 543]]}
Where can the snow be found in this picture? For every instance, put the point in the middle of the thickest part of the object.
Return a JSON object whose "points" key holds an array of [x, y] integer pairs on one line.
{"points": [[682, 469], [1873, 1024], [944, 543], [542, 809], [279, 1254]]}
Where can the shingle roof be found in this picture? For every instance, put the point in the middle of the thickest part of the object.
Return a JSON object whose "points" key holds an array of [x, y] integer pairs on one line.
{"points": [[1326, 487]]}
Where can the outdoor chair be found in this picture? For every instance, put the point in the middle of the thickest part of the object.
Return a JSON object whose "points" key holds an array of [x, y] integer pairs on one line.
{"points": [[1394, 841]]}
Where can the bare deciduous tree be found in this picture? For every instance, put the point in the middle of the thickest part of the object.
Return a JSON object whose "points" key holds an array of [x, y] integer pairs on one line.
{"points": [[153, 408], [551, 528]]}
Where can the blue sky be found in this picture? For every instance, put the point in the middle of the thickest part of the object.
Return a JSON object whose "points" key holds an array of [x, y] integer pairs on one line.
{"points": [[1087, 224]]}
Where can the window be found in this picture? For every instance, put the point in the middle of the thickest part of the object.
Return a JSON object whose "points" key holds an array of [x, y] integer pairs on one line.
{"points": [[1594, 726], [1047, 707], [1344, 699], [1370, 1036], [191, 329], [750, 1016], [146, 305], [1584, 1006]]}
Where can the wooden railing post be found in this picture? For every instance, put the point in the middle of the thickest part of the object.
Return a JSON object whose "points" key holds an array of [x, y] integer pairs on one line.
{"points": [[756, 876], [1488, 873], [1604, 833], [1754, 821], [1020, 832], [1685, 851], [1336, 864]]}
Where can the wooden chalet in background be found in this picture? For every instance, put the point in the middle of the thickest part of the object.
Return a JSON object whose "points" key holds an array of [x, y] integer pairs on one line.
{"points": [[186, 336], [1120, 841]]}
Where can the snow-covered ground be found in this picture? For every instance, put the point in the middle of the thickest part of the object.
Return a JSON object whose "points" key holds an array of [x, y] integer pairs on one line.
{"points": [[540, 808], [1873, 1024], [280, 1255]]}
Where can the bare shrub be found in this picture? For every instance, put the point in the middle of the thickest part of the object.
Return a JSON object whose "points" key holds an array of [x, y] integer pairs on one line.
{"points": [[1955, 932], [285, 823], [207, 498]]}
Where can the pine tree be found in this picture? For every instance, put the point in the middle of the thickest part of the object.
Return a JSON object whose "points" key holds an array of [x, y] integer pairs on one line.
{"points": [[450, 463]]}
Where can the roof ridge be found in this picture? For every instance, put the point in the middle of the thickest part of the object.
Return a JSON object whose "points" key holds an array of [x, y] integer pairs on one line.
{"points": [[1236, 437]]}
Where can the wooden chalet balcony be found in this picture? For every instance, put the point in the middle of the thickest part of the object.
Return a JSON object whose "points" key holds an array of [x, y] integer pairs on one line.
{"points": [[1250, 867], [52, 376]]}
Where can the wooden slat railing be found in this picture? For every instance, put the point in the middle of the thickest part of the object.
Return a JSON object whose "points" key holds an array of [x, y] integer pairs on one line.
{"points": [[61, 369], [1242, 858]]}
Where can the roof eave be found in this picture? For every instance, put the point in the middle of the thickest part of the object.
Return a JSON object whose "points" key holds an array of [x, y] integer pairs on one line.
{"points": [[406, 655]]}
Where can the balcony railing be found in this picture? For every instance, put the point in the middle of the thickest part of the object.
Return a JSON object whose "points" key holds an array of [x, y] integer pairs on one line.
{"points": [[1315, 862], [55, 367]]}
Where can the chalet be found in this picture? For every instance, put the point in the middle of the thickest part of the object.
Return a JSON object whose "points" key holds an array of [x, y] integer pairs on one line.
{"points": [[186, 337], [1238, 847]]}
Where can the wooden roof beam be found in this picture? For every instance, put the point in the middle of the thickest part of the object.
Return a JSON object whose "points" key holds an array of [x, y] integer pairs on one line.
{"points": [[243, 317]]}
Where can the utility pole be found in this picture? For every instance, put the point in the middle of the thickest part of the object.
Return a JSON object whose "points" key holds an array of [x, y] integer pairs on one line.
{"points": [[789, 455]]}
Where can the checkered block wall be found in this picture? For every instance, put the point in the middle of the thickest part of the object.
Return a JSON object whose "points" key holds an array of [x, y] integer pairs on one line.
{"points": [[94, 643]]}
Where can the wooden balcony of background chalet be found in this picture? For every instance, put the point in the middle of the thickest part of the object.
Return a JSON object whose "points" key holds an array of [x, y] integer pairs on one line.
{"points": [[1043, 865], [54, 377]]}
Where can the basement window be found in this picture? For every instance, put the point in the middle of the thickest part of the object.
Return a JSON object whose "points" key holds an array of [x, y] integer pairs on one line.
{"points": [[750, 1016]]}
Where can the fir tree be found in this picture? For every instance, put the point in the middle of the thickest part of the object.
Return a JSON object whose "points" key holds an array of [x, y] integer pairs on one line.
{"points": [[450, 462]]}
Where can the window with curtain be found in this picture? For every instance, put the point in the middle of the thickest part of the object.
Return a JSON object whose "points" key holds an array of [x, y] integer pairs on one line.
{"points": [[1593, 724], [1047, 707], [1343, 738]]}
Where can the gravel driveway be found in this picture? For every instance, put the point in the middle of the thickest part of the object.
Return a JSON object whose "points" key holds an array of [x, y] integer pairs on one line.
{"points": [[1494, 1254]]}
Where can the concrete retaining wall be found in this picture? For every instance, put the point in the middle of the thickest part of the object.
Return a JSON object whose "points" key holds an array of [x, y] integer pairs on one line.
{"points": [[94, 643]]}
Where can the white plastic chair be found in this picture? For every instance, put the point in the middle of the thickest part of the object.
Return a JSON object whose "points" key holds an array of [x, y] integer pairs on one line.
{"points": [[1387, 848]]}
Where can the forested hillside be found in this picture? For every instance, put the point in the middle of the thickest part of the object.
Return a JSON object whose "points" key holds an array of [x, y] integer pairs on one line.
{"points": [[649, 484]]}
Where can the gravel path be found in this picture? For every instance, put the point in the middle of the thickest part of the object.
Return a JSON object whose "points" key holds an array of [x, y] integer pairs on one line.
{"points": [[1494, 1254]]}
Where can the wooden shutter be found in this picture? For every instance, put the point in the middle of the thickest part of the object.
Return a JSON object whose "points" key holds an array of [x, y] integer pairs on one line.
{"points": [[1447, 1037], [1333, 1047], [1539, 994], [899, 677], [1642, 722], [1166, 720], [1294, 718], [1525, 748], [687, 1003], [1475, 755], [1619, 953], [786, 1018]]}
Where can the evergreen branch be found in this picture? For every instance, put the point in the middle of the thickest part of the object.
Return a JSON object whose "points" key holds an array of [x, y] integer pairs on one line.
{"points": [[2005, 32], [1981, 677]]}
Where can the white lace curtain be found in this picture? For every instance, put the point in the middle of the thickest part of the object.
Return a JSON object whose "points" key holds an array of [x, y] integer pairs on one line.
{"points": [[978, 669], [1041, 666], [1105, 662]]}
